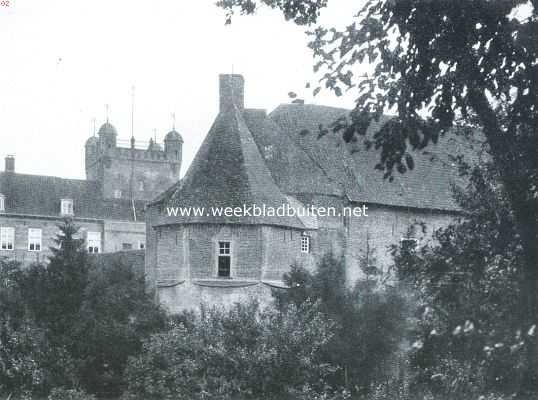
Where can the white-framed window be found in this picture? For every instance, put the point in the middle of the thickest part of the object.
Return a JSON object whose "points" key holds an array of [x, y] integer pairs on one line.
{"points": [[93, 242], [7, 238], [117, 194], [305, 244], [34, 239], [269, 152], [142, 244], [66, 207], [224, 259], [408, 244], [2, 202], [141, 186]]}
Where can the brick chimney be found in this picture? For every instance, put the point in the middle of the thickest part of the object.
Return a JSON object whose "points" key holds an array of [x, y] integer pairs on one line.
{"points": [[231, 91], [10, 164]]}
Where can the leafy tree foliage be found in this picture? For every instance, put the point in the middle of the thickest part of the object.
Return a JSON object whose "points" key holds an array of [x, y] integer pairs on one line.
{"points": [[470, 335], [435, 63], [54, 292], [115, 315], [370, 321], [72, 323], [242, 353], [28, 362]]}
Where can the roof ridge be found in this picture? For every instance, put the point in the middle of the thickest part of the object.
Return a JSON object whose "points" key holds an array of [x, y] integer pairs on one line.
{"points": [[47, 176]]}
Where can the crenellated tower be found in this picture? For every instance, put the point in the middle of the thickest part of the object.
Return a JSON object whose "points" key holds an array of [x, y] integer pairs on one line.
{"points": [[131, 169]]}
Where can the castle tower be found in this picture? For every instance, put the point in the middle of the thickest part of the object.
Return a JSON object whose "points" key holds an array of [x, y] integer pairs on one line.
{"points": [[107, 136], [127, 171], [173, 145]]}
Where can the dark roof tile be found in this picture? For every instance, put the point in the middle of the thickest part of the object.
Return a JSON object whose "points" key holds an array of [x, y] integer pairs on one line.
{"points": [[428, 185], [41, 195], [228, 171]]}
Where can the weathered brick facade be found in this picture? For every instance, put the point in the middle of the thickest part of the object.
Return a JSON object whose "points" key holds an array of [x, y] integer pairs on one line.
{"points": [[249, 157]]}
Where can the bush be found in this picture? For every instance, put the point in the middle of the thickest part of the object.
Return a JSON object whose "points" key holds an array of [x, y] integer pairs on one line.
{"points": [[370, 322], [242, 353]]}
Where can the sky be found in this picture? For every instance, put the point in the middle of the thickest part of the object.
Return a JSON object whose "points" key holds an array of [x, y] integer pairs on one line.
{"points": [[63, 60]]}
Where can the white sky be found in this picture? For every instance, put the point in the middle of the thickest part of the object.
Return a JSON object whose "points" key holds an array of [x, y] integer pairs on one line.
{"points": [[63, 60]]}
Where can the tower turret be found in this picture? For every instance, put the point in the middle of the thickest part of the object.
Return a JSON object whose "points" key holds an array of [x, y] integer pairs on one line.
{"points": [[107, 135], [173, 145]]}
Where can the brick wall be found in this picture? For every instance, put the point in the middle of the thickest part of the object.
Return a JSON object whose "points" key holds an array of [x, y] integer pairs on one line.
{"points": [[155, 176], [246, 245], [383, 227], [49, 227], [282, 248], [118, 233]]}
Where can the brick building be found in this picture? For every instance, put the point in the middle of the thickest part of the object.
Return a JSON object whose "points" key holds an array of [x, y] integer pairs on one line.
{"points": [[251, 157], [108, 206]]}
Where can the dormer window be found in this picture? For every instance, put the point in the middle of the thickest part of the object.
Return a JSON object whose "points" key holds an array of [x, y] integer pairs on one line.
{"points": [[66, 207], [2, 202]]}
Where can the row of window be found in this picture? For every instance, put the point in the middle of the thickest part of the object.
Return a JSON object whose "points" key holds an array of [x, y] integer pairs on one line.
{"points": [[7, 239], [35, 238]]}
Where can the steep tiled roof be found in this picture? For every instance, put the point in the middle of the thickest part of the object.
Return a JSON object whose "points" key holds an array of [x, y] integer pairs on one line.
{"points": [[228, 171], [293, 170], [428, 185], [41, 195]]}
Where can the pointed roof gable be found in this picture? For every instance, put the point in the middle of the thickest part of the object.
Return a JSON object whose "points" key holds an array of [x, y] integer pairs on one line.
{"points": [[227, 171]]}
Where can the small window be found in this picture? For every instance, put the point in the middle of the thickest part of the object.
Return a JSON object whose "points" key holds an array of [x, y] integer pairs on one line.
{"points": [[127, 246], [141, 186], [34, 239], [117, 194], [408, 244], [2, 202], [305, 244], [7, 238], [93, 242], [269, 152], [66, 207], [141, 245], [224, 259]]}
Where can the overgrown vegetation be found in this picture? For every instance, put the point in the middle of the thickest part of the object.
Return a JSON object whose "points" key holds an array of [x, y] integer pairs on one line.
{"points": [[471, 334], [461, 336], [72, 323]]}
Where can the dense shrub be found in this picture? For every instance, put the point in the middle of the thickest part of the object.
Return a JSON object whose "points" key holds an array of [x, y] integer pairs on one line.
{"points": [[471, 335], [370, 322], [71, 323], [242, 353]]}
